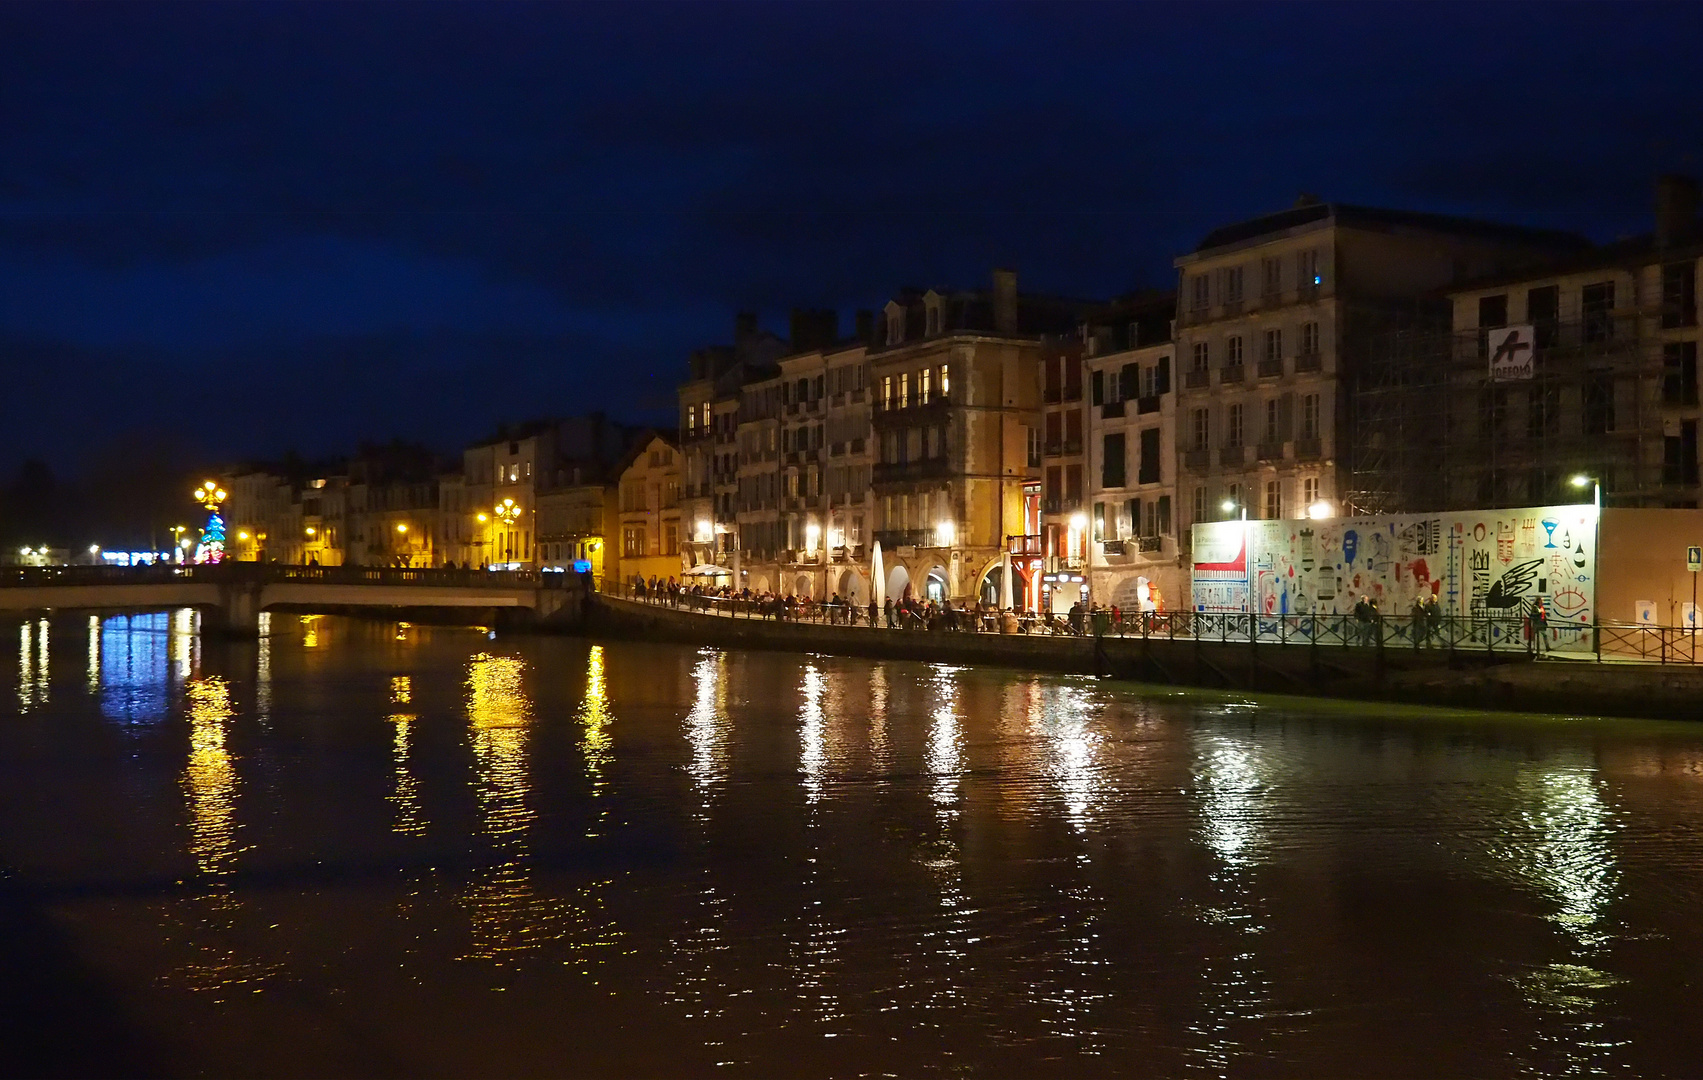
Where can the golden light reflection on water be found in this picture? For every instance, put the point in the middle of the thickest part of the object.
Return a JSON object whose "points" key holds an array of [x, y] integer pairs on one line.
{"points": [[509, 916], [596, 743], [209, 778], [310, 631], [210, 787], [32, 665], [93, 676], [410, 815]]}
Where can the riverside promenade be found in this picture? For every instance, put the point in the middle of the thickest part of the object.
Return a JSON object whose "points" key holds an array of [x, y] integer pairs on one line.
{"points": [[1452, 663]]}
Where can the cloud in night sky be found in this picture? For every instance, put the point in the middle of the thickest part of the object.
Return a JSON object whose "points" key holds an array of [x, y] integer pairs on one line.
{"points": [[376, 220]]}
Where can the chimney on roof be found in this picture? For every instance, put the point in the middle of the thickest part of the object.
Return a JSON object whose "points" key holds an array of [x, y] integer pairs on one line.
{"points": [[814, 329], [1305, 199], [1676, 207], [1005, 301], [744, 326]]}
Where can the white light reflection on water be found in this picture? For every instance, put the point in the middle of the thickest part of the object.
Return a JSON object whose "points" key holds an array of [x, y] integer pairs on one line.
{"points": [[1061, 719], [706, 724], [697, 950], [1058, 724], [815, 955], [880, 754], [184, 643], [944, 764], [1559, 845], [813, 756], [410, 816], [1231, 788]]}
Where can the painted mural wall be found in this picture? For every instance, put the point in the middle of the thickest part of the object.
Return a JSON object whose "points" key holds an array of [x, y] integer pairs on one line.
{"points": [[1492, 566]]}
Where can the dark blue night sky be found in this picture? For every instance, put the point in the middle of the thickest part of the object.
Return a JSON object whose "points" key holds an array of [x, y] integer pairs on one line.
{"points": [[245, 228]]}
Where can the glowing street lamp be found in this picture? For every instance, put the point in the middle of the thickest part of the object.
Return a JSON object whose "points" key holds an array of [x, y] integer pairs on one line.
{"points": [[1580, 481], [1320, 509], [945, 534], [401, 528]]}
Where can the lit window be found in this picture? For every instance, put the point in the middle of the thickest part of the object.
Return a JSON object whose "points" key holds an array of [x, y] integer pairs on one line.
{"points": [[945, 387], [923, 385]]}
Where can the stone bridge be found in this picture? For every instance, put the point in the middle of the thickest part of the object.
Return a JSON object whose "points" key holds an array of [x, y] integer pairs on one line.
{"points": [[232, 595]]}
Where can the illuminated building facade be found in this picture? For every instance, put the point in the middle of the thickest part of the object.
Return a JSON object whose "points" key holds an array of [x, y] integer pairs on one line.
{"points": [[649, 512]]}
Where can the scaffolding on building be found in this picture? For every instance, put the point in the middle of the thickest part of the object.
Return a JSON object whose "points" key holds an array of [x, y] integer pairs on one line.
{"points": [[1431, 430]]}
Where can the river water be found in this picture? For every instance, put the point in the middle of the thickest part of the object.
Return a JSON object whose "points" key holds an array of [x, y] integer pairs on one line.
{"points": [[357, 848]]}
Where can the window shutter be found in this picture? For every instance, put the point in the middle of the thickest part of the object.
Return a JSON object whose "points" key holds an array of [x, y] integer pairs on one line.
{"points": [[1162, 384], [1097, 387], [1164, 514], [1286, 417], [1135, 517], [1129, 382]]}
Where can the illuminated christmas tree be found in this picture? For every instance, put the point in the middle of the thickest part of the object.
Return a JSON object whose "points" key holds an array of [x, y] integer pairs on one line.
{"points": [[212, 546]]}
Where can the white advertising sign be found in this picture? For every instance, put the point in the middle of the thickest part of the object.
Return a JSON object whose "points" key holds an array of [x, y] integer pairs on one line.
{"points": [[1510, 353]]}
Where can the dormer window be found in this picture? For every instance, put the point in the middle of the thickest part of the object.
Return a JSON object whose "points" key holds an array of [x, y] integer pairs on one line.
{"points": [[895, 324], [934, 312]]}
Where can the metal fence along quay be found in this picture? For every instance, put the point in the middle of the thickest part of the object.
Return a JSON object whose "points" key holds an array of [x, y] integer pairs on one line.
{"points": [[1509, 635]]}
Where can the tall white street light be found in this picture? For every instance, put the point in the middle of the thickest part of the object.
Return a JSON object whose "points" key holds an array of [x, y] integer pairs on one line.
{"points": [[1231, 506], [1596, 553]]}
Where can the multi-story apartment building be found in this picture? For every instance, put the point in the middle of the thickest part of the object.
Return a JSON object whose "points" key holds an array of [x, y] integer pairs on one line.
{"points": [[649, 509], [391, 507], [957, 408], [1064, 466], [709, 419], [282, 514], [1274, 319], [504, 478], [1601, 382], [1132, 437]]}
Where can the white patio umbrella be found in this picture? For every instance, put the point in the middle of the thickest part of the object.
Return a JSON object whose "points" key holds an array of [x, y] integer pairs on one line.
{"points": [[1005, 603], [877, 576]]}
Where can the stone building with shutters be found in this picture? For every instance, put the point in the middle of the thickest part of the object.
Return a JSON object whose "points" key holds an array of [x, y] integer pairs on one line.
{"points": [[1133, 556]]}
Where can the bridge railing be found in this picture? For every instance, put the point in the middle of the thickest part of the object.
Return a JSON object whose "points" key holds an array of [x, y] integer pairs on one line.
{"points": [[264, 573]]}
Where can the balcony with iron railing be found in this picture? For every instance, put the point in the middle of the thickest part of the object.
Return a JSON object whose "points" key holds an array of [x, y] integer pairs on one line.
{"points": [[1271, 450], [1308, 449], [1309, 361], [1031, 545], [1231, 374], [1231, 457], [1111, 410], [1271, 368], [890, 472], [898, 538], [1146, 405], [1197, 379], [1198, 459]]}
